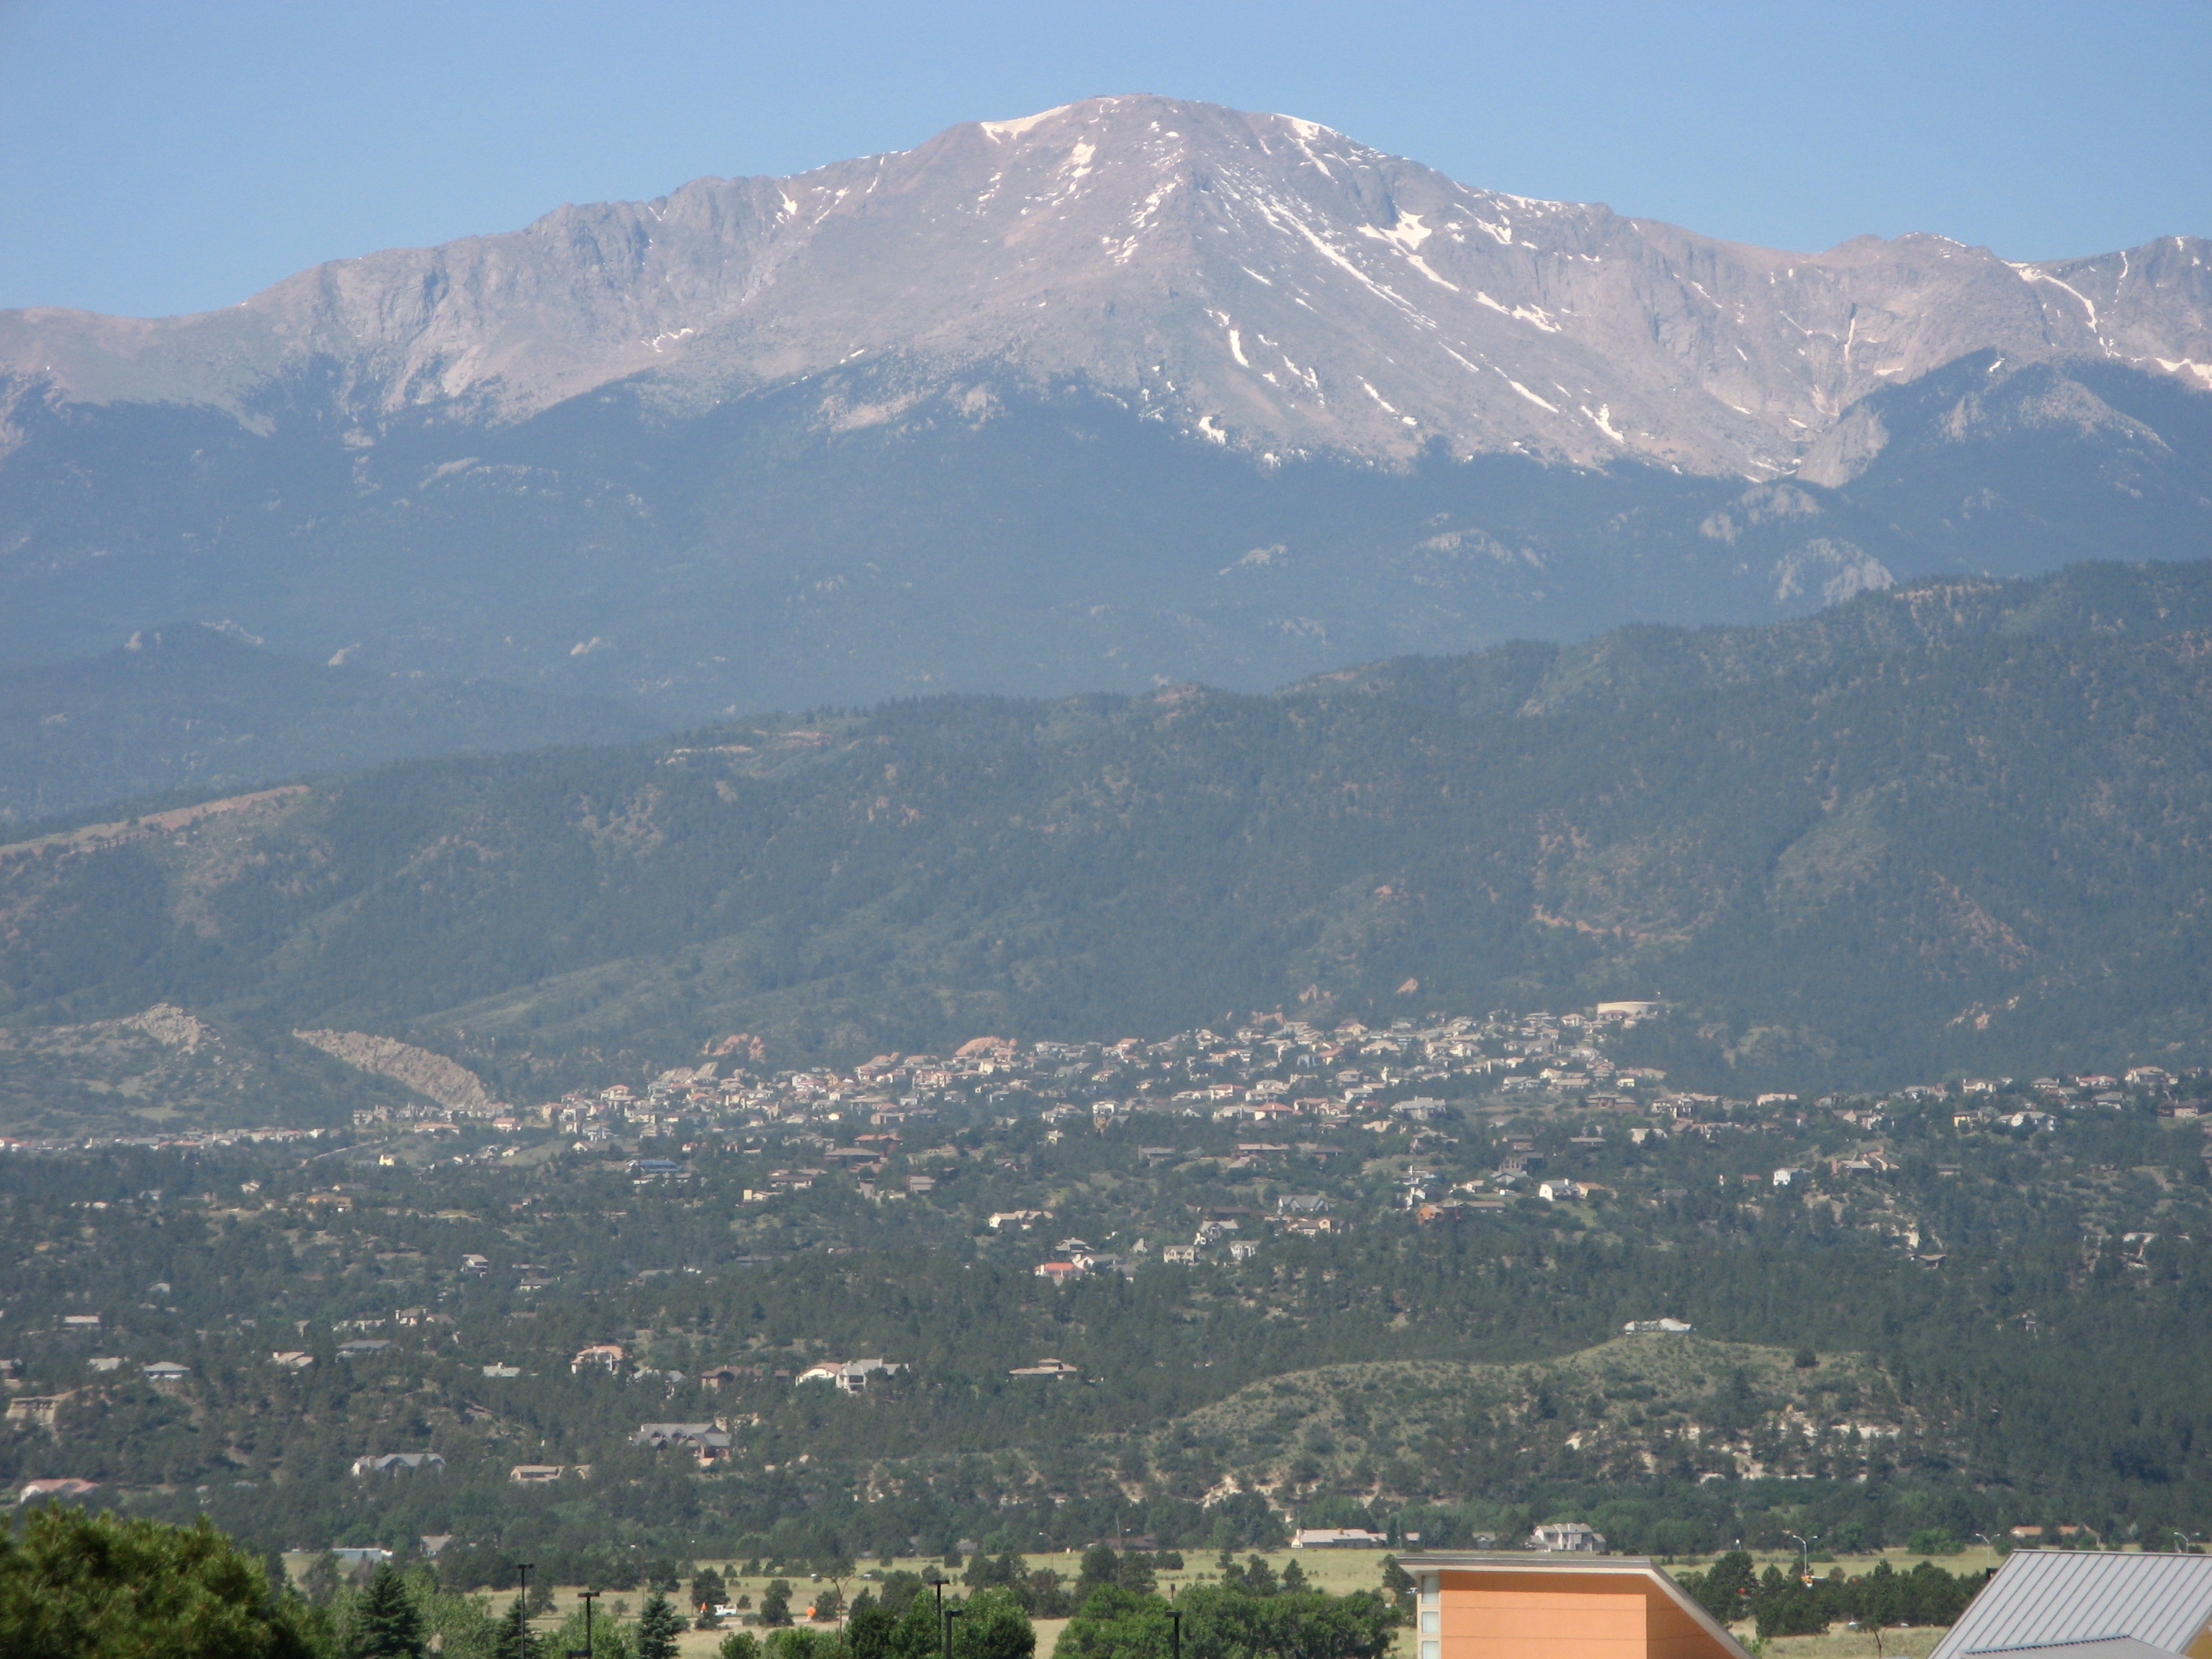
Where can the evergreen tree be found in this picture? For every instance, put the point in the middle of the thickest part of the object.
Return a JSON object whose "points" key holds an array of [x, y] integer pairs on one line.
{"points": [[387, 1625], [512, 1640], [659, 1625], [708, 1588]]}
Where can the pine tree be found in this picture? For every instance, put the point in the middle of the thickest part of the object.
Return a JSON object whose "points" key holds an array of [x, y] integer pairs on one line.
{"points": [[658, 1624], [513, 1640], [389, 1625]]}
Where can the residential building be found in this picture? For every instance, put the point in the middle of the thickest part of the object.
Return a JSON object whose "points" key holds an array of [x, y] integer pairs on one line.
{"points": [[705, 1439], [38, 1409], [1338, 1537], [1574, 1536], [607, 1356], [850, 1375], [1047, 1367], [399, 1463], [66, 1486]]}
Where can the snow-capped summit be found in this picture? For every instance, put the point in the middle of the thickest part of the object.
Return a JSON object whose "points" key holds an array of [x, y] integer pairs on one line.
{"points": [[1259, 280]]}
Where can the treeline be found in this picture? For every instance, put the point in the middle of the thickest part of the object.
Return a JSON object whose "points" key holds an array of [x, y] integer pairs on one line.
{"points": [[1779, 1604], [79, 1585]]}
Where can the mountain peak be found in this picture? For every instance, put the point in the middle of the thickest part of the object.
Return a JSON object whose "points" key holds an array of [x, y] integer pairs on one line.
{"points": [[1258, 281]]}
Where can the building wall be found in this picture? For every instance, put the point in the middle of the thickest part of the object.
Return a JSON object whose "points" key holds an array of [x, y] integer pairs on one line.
{"points": [[1504, 1614]]}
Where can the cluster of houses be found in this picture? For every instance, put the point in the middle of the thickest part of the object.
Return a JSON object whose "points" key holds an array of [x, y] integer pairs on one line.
{"points": [[1273, 1069]]}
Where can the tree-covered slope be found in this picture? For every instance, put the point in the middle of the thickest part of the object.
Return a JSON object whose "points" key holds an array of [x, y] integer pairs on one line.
{"points": [[1958, 825], [869, 534], [190, 708]]}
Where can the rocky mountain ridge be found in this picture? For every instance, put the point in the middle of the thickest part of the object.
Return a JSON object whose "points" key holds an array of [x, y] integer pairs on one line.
{"points": [[1258, 280]]}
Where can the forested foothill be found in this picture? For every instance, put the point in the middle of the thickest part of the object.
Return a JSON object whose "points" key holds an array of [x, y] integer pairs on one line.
{"points": [[1941, 829], [591, 1335], [601, 1157]]}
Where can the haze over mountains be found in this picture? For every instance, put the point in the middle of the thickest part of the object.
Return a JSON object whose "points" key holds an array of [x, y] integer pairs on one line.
{"points": [[1131, 391]]}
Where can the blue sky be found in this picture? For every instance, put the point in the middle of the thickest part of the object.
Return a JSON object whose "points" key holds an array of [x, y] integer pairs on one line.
{"points": [[177, 154]]}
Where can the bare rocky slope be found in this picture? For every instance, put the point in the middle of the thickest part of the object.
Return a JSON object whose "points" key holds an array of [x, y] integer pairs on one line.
{"points": [[1259, 279]]}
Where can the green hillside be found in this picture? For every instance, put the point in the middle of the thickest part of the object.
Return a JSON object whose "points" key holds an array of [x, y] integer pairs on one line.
{"points": [[1959, 826], [1635, 1406]]}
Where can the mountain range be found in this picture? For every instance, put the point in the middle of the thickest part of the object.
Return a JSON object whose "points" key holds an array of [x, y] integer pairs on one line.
{"points": [[1136, 389], [1950, 826]]}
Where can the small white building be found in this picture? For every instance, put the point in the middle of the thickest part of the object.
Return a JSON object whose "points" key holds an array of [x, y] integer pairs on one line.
{"points": [[1338, 1537]]}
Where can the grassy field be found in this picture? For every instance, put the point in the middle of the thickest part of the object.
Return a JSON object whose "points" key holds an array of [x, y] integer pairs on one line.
{"points": [[1335, 1570]]}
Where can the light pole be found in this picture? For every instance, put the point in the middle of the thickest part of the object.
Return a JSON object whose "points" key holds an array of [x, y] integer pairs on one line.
{"points": [[1804, 1556], [586, 1597], [1174, 1633], [522, 1581], [951, 1614]]}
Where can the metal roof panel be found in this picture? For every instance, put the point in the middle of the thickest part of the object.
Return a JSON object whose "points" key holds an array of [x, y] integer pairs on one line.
{"points": [[2042, 1598]]}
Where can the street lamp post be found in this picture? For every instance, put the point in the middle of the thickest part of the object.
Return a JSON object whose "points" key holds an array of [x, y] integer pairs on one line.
{"points": [[951, 1614], [586, 1597], [1174, 1633], [1804, 1556]]}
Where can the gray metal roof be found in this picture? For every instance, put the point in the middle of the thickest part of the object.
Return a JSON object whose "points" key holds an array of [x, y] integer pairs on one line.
{"points": [[2043, 1598], [2105, 1647]]}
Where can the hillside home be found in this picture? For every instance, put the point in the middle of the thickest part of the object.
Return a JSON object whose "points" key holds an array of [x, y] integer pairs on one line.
{"points": [[1568, 1604], [39, 1410], [399, 1463], [67, 1486], [705, 1439], [607, 1356], [1047, 1368], [850, 1375]]}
